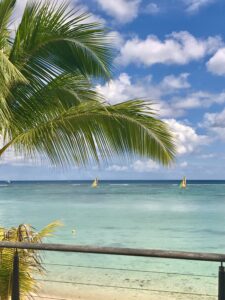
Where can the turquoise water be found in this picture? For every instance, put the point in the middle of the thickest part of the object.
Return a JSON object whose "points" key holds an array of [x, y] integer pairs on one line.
{"points": [[142, 215]]}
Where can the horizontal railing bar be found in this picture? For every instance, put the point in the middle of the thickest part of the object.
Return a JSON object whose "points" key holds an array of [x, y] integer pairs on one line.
{"points": [[216, 257]]}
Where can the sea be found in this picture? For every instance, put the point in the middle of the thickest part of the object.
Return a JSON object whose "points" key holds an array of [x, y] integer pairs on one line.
{"points": [[134, 214]]}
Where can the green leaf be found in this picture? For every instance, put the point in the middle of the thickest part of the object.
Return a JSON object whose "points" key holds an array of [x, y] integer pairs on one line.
{"points": [[91, 131], [6, 9]]}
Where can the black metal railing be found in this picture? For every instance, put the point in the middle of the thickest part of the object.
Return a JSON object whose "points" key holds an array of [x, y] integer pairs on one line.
{"points": [[153, 253]]}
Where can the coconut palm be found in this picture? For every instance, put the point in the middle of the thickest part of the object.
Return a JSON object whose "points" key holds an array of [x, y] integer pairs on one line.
{"points": [[30, 261], [50, 109], [48, 105]]}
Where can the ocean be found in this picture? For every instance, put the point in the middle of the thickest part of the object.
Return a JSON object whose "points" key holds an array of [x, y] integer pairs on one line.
{"points": [[136, 214]]}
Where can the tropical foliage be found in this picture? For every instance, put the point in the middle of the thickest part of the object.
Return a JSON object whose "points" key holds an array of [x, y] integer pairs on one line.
{"points": [[48, 106], [30, 260]]}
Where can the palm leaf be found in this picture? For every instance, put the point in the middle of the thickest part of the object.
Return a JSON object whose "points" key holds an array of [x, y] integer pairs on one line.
{"points": [[6, 9], [30, 261], [92, 131], [53, 38]]}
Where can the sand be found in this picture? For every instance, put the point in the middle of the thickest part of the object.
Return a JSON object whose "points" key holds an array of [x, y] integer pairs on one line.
{"points": [[99, 293]]}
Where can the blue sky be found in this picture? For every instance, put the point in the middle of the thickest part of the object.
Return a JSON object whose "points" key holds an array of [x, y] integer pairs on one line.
{"points": [[168, 51]]}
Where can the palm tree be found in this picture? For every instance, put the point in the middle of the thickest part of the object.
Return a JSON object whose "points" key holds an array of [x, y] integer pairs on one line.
{"points": [[48, 105], [50, 109], [30, 261]]}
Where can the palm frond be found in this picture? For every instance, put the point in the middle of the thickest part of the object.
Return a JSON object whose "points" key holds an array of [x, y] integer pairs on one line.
{"points": [[6, 9], [9, 74], [48, 230], [53, 38], [92, 131], [30, 260], [65, 91]]}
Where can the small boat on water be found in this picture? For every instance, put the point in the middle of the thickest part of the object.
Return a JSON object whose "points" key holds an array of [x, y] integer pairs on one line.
{"points": [[95, 183], [183, 183]]}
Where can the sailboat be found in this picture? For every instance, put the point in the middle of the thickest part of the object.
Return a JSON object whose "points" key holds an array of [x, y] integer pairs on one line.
{"points": [[183, 183], [95, 183]]}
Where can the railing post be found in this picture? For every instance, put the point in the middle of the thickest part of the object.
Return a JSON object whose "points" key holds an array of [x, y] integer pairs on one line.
{"points": [[221, 288], [15, 278]]}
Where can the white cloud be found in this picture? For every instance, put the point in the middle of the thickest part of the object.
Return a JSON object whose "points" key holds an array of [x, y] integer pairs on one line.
{"points": [[115, 38], [215, 123], [145, 166], [216, 64], [10, 157], [207, 156], [183, 164], [177, 48], [194, 5], [187, 139], [172, 82], [152, 8], [122, 10], [124, 88], [198, 99], [117, 168]]}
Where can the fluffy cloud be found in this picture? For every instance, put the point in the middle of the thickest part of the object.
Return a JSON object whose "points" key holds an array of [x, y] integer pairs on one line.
{"points": [[172, 82], [124, 88], [152, 8], [145, 166], [215, 123], [10, 157], [170, 87], [198, 100], [187, 139], [216, 64], [183, 164], [117, 168], [208, 155], [177, 48], [116, 39], [122, 10], [194, 5]]}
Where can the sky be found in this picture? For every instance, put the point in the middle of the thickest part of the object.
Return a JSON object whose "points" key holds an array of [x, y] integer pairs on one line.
{"points": [[172, 53]]}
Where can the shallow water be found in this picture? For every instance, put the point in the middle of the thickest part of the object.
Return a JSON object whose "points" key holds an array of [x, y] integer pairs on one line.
{"points": [[138, 214]]}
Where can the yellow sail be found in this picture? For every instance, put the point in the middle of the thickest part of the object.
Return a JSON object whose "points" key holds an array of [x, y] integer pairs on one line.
{"points": [[95, 183], [183, 183]]}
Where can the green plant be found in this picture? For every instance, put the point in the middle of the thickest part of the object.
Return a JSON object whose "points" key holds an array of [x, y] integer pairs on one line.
{"points": [[48, 105], [30, 260]]}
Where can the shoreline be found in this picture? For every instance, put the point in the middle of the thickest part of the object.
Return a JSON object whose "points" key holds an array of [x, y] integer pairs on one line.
{"points": [[101, 293]]}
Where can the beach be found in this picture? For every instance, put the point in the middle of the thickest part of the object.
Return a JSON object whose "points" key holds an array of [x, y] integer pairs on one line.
{"points": [[116, 294], [132, 214]]}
